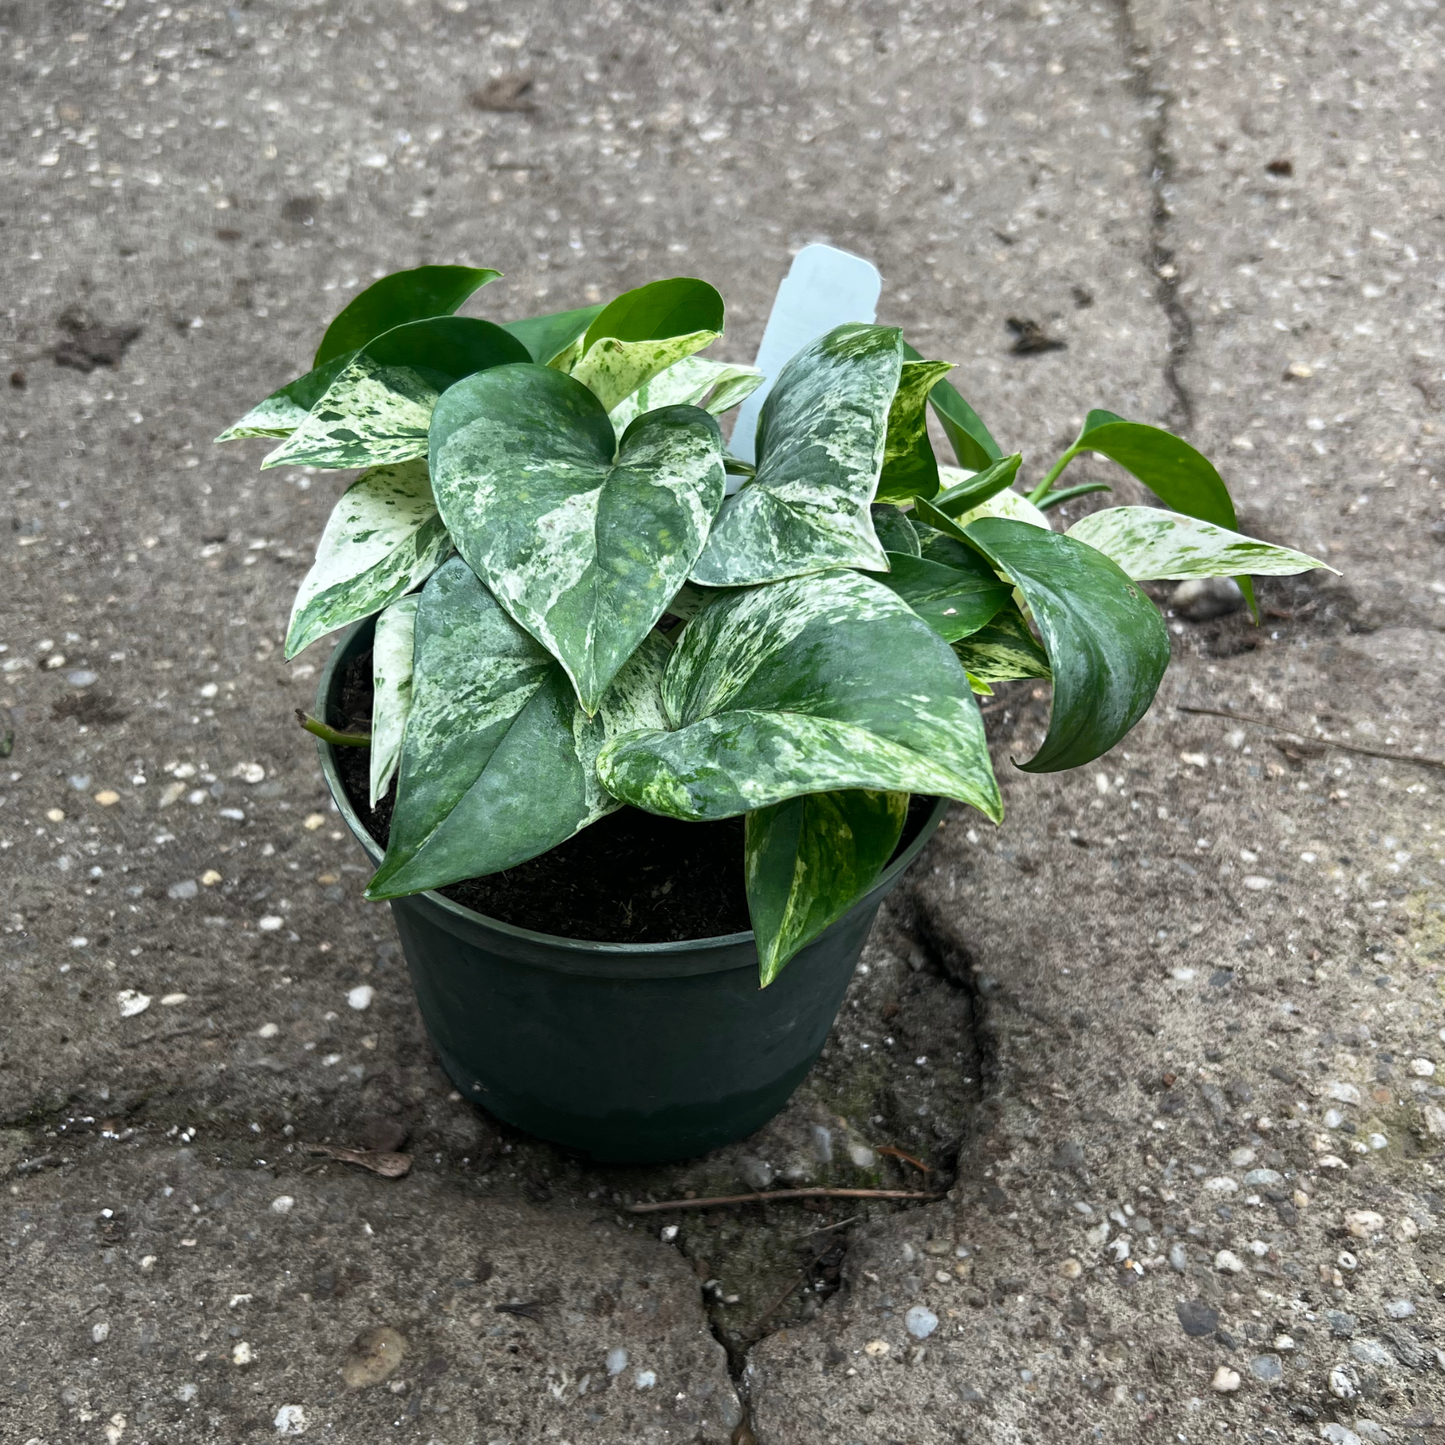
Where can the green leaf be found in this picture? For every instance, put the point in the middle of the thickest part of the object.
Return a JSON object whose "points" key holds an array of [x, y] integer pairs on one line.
{"points": [[715, 386], [547, 337], [967, 435], [1005, 503], [805, 686], [379, 408], [644, 332], [966, 496], [391, 675], [498, 761], [909, 466], [661, 309], [284, 410], [584, 551], [383, 538], [953, 600], [895, 532], [403, 296], [1106, 642], [1050, 500], [809, 860], [1183, 479], [820, 445], [1147, 544], [1002, 650]]}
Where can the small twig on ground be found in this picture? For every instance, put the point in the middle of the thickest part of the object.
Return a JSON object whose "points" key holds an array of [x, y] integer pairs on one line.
{"points": [[1389, 755], [895, 1153], [807, 1269], [828, 1228], [380, 1161], [329, 734], [774, 1196]]}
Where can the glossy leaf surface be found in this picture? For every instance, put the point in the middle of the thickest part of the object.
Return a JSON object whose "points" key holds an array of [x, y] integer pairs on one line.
{"points": [[379, 407], [396, 299], [809, 860], [820, 445], [715, 386], [584, 551], [1003, 649], [973, 445], [804, 686], [953, 599], [498, 761], [285, 409], [968, 495], [1148, 543], [547, 337], [1107, 644], [894, 531], [909, 466], [383, 538], [391, 674]]}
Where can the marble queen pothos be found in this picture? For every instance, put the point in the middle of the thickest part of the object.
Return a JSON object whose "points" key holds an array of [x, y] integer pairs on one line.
{"points": [[573, 614]]}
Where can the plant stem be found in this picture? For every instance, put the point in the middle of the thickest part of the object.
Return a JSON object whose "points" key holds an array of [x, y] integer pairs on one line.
{"points": [[1055, 472], [775, 1196], [329, 734]]}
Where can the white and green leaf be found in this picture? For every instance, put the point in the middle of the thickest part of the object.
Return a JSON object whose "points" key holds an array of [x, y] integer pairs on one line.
{"points": [[809, 860], [383, 538], [285, 409], [391, 675], [584, 550], [715, 386], [613, 369], [805, 686], [1007, 503], [820, 444], [909, 467], [1149, 544], [1002, 650], [498, 759]]}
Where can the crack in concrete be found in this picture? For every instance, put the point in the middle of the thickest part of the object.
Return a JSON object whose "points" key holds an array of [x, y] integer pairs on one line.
{"points": [[1158, 101]]}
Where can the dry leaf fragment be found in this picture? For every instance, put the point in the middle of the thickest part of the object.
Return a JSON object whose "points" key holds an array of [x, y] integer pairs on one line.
{"points": [[505, 93], [379, 1161]]}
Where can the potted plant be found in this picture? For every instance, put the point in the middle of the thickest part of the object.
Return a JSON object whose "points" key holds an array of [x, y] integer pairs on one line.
{"points": [[609, 694]]}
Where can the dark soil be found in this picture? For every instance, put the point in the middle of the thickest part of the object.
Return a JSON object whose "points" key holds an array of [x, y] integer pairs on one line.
{"points": [[632, 877]]}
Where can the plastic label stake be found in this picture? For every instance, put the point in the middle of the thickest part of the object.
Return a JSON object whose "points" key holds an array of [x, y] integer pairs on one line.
{"points": [[824, 288]]}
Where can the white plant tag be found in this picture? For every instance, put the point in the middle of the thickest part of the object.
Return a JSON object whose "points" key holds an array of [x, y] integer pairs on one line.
{"points": [[824, 288]]}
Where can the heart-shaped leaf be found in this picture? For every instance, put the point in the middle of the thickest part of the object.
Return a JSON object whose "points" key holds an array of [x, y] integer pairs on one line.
{"points": [[498, 761], [391, 674], [379, 408], [401, 297], [895, 532], [972, 444], [383, 538], [285, 409], [547, 337], [1002, 650], [820, 447], [583, 550], [909, 466], [809, 860], [715, 386], [953, 599], [805, 686], [1148, 543], [1106, 642]]}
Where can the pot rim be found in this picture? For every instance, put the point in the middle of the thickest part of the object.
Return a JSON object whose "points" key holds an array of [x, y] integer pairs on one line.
{"points": [[346, 647]]}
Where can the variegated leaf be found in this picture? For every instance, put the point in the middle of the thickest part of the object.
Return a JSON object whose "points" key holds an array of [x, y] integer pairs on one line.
{"points": [[1002, 650], [383, 538], [809, 860], [1007, 503], [284, 410], [1148, 544], [584, 551], [909, 467], [612, 370], [379, 407], [498, 761], [391, 673], [715, 386], [1107, 644], [804, 686], [820, 447]]}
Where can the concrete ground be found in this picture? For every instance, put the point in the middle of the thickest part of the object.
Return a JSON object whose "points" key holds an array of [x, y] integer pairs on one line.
{"points": [[1167, 1039]]}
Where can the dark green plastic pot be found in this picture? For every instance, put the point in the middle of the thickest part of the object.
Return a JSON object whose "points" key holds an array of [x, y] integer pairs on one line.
{"points": [[622, 1052]]}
